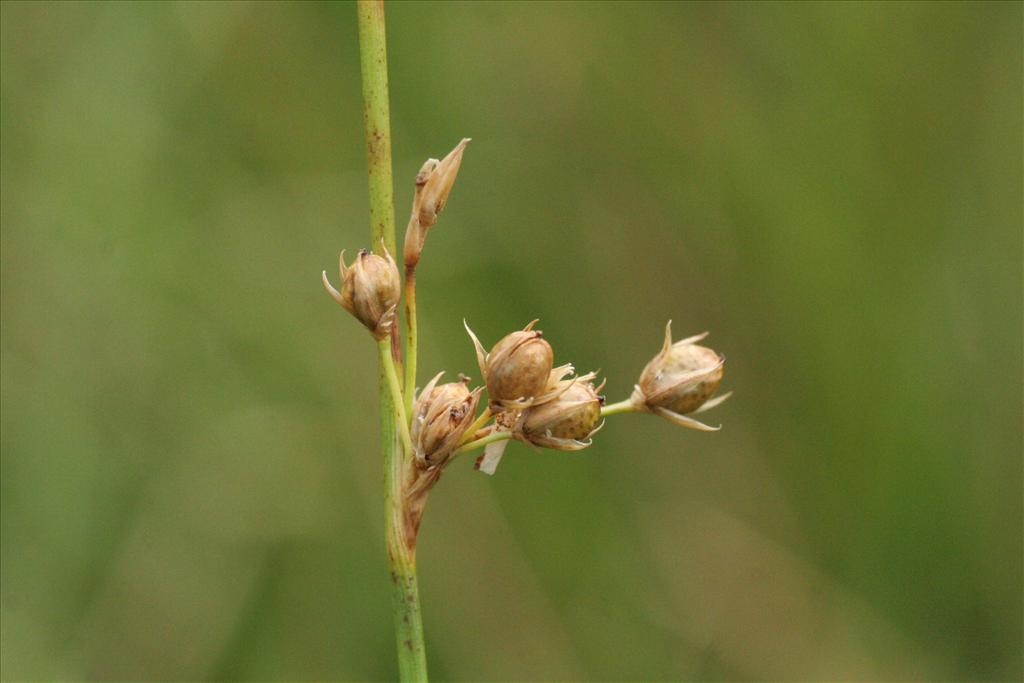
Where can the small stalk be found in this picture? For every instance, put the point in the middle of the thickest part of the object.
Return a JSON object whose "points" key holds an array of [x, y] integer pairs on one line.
{"points": [[482, 441], [620, 407], [477, 424], [411, 337], [384, 347], [412, 660]]}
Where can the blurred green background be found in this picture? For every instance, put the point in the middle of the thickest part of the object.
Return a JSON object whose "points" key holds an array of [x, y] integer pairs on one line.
{"points": [[191, 488]]}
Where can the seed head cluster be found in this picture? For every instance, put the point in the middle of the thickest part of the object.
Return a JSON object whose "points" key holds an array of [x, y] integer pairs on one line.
{"points": [[529, 399]]}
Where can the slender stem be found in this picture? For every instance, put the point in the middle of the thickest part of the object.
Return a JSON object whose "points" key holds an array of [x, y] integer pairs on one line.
{"points": [[391, 373], [412, 660], [411, 337], [477, 424], [620, 407], [482, 441], [373, 59]]}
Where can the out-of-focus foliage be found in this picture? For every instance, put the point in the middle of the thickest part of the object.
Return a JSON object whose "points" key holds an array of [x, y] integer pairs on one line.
{"points": [[191, 487]]}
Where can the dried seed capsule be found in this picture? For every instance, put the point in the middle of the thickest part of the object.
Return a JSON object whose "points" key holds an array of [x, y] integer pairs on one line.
{"points": [[370, 290], [517, 369], [438, 185], [433, 185], [567, 422], [680, 380], [441, 415]]}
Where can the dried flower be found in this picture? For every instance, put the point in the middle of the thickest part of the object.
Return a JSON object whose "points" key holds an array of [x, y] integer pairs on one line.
{"points": [[517, 369], [433, 185], [567, 422], [680, 380], [370, 290], [441, 415]]}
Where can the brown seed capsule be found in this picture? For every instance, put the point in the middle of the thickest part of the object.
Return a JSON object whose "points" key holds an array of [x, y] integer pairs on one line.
{"points": [[441, 415], [680, 380], [439, 184], [516, 370], [370, 290], [567, 422], [433, 185]]}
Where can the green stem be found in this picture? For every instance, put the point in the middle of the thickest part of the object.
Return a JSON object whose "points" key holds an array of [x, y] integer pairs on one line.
{"points": [[373, 59], [391, 374], [482, 441], [411, 337], [412, 660], [620, 407], [477, 424]]}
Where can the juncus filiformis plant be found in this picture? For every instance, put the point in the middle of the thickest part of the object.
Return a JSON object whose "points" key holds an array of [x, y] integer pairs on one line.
{"points": [[529, 399]]}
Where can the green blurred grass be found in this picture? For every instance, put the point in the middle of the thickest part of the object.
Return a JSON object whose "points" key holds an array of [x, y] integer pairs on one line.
{"points": [[190, 483]]}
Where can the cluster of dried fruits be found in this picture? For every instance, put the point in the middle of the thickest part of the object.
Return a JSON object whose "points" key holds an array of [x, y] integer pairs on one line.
{"points": [[529, 399]]}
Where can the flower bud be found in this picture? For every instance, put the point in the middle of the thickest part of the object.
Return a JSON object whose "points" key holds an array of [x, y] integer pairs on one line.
{"points": [[370, 290], [517, 369], [441, 415], [567, 422], [680, 380], [433, 185]]}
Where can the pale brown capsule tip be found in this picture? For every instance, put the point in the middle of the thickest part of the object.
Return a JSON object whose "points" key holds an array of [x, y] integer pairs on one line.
{"points": [[481, 354], [441, 415], [370, 290], [681, 380], [335, 294]]}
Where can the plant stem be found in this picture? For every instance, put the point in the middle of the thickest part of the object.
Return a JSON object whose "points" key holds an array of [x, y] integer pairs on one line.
{"points": [[620, 407], [405, 596], [373, 58], [412, 660], [482, 441], [411, 337]]}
